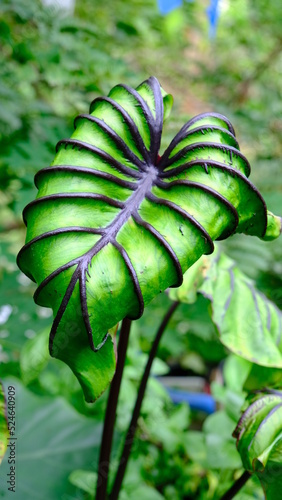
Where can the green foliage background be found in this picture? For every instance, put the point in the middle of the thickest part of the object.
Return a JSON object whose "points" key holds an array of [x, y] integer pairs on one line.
{"points": [[52, 66]]}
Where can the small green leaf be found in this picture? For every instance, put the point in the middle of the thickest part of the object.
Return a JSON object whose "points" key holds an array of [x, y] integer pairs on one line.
{"points": [[84, 479], [263, 376], [274, 227], [235, 372], [221, 453], [143, 491], [34, 356], [195, 447]]}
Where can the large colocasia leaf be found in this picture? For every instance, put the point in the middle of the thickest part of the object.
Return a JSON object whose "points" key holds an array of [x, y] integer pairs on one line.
{"points": [[114, 224], [259, 440]]}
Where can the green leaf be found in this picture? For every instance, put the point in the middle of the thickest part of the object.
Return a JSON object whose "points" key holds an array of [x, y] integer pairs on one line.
{"points": [[4, 431], [274, 227], [84, 479], [143, 491], [271, 477], [263, 376], [221, 453], [235, 372], [114, 224], [247, 322], [259, 440], [195, 446], [52, 440], [34, 356], [192, 280]]}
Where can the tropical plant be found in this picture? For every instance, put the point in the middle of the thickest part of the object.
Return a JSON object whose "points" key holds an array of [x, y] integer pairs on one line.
{"points": [[115, 223]]}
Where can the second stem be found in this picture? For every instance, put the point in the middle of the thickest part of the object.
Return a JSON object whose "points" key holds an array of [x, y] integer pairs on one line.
{"points": [[136, 412], [110, 417]]}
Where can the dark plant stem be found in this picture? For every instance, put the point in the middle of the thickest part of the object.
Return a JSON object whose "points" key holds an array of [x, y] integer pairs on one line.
{"points": [[136, 412], [236, 486], [110, 417]]}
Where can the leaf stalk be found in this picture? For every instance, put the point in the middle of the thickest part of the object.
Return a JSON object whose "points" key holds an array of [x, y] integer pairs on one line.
{"points": [[136, 412], [236, 487], [110, 417]]}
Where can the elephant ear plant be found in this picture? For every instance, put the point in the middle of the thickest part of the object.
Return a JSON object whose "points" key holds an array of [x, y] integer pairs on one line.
{"points": [[115, 223]]}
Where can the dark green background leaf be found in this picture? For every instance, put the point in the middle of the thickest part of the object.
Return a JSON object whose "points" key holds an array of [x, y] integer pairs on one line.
{"points": [[52, 440]]}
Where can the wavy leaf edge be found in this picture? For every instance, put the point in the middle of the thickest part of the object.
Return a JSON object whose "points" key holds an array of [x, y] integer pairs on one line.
{"points": [[135, 134]]}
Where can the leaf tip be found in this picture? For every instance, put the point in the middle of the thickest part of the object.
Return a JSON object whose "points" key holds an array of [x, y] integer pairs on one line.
{"points": [[274, 227]]}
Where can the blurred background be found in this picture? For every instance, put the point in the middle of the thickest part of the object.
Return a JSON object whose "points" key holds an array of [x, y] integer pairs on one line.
{"points": [[55, 58]]}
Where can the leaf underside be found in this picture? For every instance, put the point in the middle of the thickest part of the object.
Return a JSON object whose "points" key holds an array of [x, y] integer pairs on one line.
{"points": [[114, 224]]}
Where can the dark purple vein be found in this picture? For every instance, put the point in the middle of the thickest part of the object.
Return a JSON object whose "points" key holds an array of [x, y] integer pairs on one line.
{"points": [[85, 170], [165, 244], [213, 115], [147, 115], [55, 232], [102, 154], [210, 191], [53, 275], [159, 115], [185, 215], [164, 163], [119, 142], [183, 134], [66, 196], [127, 119], [85, 314], [63, 307], [134, 278], [233, 171]]}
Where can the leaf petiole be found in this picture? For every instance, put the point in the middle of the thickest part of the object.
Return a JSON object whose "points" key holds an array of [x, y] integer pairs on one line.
{"points": [[110, 417], [136, 412]]}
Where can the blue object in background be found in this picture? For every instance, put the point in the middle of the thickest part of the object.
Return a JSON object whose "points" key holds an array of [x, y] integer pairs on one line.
{"points": [[213, 15], [196, 401], [165, 6]]}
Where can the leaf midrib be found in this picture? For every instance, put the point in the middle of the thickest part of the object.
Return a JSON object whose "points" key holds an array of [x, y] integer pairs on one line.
{"points": [[132, 204], [108, 236]]}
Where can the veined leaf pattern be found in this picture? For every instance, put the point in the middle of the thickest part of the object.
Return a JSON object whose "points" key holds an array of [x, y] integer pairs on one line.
{"points": [[114, 223]]}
